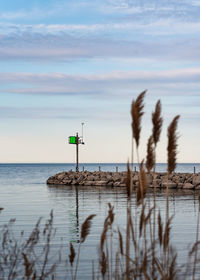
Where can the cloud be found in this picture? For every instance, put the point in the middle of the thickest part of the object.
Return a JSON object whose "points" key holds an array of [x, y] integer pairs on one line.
{"points": [[50, 9], [71, 113], [176, 75], [155, 27], [154, 8], [27, 46], [165, 82], [43, 113]]}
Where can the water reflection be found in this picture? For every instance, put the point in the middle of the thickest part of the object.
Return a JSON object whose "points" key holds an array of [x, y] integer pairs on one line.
{"points": [[77, 216], [83, 201]]}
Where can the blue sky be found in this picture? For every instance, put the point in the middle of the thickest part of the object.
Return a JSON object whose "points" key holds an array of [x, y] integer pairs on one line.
{"points": [[68, 62]]}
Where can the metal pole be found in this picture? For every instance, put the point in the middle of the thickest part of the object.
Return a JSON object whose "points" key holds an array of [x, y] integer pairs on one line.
{"points": [[77, 169], [82, 129]]}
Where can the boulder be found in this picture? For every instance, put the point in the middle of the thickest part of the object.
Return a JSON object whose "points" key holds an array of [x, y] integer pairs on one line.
{"points": [[149, 179], [152, 185], [189, 180], [178, 179], [116, 184], [135, 178], [196, 180], [180, 185], [116, 178], [171, 185], [100, 183], [74, 182], [90, 178], [66, 182], [188, 186], [61, 176]]}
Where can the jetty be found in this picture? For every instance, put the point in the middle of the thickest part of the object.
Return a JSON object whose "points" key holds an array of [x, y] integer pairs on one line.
{"points": [[118, 179]]}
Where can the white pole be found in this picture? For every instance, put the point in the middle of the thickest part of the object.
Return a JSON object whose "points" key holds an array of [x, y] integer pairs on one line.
{"points": [[82, 129]]}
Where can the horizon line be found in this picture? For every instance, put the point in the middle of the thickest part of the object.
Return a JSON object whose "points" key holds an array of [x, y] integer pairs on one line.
{"points": [[81, 163]]}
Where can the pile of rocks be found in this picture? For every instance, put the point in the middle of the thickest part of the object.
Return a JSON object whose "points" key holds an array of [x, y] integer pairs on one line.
{"points": [[118, 179]]}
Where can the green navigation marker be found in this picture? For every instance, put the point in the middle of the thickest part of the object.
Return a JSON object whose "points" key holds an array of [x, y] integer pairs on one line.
{"points": [[72, 139]]}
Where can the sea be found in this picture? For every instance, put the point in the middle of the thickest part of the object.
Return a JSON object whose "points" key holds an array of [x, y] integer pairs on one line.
{"points": [[25, 197]]}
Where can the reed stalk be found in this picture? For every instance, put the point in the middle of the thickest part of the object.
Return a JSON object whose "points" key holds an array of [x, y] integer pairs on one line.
{"points": [[172, 154], [197, 238], [85, 230]]}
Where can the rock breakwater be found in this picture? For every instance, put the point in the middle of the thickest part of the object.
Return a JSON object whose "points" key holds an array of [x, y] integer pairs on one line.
{"points": [[118, 179]]}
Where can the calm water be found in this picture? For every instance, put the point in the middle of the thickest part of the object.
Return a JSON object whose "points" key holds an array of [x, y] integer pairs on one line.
{"points": [[25, 196]]}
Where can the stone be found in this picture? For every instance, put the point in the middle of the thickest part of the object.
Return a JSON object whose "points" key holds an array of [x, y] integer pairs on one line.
{"points": [[67, 182], [188, 186], [61, 176], [116, 184], [152, 186], [189, 180], [196, 180], [80, 178], [109, 178], [171, 185], [116, 178], [158, 183], [74, 182], [164, 179], [135, 178], [100, 183], [149, 179], [180, 186], [178, 179], [90, 178]]}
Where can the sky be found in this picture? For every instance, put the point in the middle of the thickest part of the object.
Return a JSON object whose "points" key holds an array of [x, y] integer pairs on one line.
{"points": [[63, 63]]}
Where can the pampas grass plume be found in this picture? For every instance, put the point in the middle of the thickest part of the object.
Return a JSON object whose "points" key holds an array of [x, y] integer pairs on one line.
{"points": [[136, 113], [172, 144], [72, 254], [150, 160], [85, 229], [157, 121]]}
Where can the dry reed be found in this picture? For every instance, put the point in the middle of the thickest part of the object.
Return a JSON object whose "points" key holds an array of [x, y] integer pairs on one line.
{"points": [[72, 254], [157, 121], [129, 184], [85, 228], [172, 145], [150, 159], [136, 113], [143, 185]]}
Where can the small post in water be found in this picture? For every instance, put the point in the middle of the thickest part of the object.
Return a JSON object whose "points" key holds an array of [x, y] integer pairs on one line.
{"points": [[135, 168], [99, 168], [83, 168], [116, 168], [194, 169]]}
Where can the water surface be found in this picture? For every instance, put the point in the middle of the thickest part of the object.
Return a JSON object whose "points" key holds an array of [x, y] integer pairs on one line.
{"points": [[26, 197]]}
